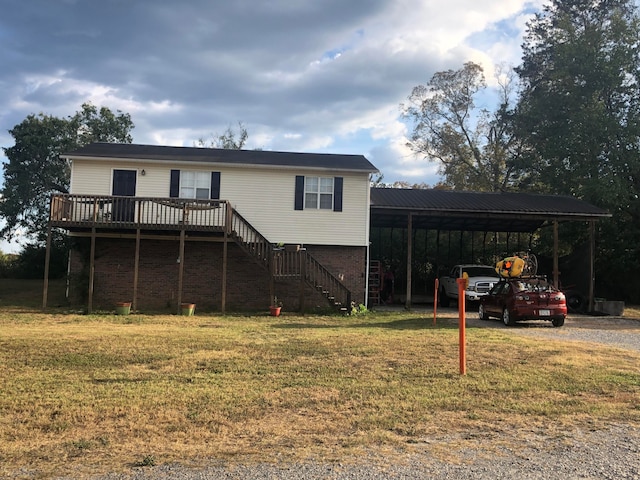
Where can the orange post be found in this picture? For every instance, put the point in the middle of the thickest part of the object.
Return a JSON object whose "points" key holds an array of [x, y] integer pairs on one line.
{"points": [[462, 283], [435, 300]]}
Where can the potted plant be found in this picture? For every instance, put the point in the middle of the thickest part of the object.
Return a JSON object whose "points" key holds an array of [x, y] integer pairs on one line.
{"points": [[275, 307], [187, 309], [123, 308]]}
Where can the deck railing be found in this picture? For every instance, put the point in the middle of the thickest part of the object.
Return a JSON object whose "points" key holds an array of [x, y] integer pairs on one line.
{"points": [[250, 239], [107, 211]]}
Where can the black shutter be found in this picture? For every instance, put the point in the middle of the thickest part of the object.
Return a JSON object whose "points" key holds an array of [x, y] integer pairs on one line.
{"points": [[174, 186], [299, 197], [337, 194], [215, 185]]}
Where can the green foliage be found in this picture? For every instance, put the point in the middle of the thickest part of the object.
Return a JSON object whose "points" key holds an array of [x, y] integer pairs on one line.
{"points": [[360, 309], [148, 461], [229, 140], [579, 116], [579, 111], [7, 262], [35, 170]]}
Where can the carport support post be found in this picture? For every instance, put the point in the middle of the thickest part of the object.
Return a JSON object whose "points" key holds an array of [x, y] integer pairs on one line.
{"points": [[556, 273], [409, 260], [592, 250]]}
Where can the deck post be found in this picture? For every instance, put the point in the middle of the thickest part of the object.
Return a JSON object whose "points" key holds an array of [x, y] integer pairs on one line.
{"points": [[180, 270], [272, 286], [302, 258], [92, 268], [225, 256], [47, 258], [136, 265]]}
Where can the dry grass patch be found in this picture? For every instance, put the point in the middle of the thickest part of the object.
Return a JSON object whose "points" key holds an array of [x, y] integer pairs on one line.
{"points": [[105, 392]]}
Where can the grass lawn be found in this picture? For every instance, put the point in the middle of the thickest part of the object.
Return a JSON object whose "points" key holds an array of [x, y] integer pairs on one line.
{"points": [[98, 393]]}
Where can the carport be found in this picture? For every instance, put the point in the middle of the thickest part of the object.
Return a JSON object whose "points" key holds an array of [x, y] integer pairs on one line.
{"points": [[509, 213]]}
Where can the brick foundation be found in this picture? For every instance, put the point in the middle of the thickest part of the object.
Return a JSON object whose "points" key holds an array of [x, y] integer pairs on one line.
{"points": [[247, 282]]}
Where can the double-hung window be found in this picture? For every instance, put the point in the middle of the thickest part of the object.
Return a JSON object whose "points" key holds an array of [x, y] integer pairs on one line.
{"points": [[192, 184], [318, 193], [195, 184]]}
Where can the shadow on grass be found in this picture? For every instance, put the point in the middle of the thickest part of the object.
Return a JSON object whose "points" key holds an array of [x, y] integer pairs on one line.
{"points": [[402, 324]]}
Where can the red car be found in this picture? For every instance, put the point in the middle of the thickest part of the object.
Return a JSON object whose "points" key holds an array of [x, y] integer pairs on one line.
{"points": [[517, 299]]}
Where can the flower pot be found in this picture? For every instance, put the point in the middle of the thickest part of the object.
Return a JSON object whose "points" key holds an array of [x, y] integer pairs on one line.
{"points": [[275, 311], [123, 308], [187, 309]]}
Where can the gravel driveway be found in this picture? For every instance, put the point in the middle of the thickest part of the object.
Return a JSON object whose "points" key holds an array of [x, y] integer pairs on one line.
{"points": [[611, 453]]}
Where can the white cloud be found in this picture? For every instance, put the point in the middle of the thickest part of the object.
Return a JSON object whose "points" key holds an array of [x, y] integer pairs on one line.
{"points": [[306, 76]]}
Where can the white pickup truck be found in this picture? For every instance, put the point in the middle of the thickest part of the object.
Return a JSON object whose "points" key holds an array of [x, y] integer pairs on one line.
{"points": [[481, 279]]}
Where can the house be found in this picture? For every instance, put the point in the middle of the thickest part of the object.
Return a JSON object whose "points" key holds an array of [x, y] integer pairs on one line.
{"points": [[225, 229]]}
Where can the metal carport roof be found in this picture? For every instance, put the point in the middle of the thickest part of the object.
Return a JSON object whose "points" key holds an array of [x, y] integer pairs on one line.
{"points": [[475, 211]]}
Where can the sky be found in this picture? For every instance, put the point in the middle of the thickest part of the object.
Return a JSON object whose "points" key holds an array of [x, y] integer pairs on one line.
{"points": [[306, 76]]}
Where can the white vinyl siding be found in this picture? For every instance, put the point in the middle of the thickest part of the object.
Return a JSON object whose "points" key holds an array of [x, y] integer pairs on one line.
{"points": [[264, 196]]}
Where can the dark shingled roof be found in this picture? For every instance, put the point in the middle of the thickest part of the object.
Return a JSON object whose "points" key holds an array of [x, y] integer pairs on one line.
{"points": [[327, 161], [474, 211]]}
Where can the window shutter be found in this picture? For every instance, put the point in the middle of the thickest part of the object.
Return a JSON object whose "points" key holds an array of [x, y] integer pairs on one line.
{"points": [[215, 185], [299, 197], [174, 186], [337, 194]]}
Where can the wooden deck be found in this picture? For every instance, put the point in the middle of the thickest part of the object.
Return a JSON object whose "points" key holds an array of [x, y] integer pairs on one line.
{"points": [[147, 213]]}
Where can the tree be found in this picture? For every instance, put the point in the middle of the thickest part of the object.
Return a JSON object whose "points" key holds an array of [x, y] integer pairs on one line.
{"points": [[472, 145], [579, 115], [35, 170], [579, 110], [229, 140]]}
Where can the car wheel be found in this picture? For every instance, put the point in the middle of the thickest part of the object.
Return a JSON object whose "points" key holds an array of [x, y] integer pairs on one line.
{"points": [[482, 313], [444, 299], [557, 322], [506, 318]]}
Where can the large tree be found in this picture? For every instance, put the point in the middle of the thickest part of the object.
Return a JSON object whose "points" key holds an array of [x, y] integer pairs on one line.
{"points": [[35, 170], [579, 114], [472, 145], [579, 109], [229, 140]]}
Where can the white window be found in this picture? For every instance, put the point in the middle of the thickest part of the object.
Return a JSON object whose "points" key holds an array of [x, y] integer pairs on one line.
{"points": [[195, 184], [318, 192]]}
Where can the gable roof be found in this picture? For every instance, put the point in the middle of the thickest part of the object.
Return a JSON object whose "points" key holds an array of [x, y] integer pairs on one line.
{"points": [[159, 153], [478, 211]]}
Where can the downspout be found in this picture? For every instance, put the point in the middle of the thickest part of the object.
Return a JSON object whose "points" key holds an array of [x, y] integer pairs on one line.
{"points": [[368, 245], [366, 278]]}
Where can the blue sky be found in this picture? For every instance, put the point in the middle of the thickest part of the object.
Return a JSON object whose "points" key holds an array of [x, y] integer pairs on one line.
{"points": [[323, 76]]}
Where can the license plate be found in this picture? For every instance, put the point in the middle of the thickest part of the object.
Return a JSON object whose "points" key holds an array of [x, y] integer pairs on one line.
{"points": [[545, 313]]}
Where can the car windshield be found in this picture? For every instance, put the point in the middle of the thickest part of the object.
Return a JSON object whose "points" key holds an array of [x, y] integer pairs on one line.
{"points": [[481, 271], [533, 285]]}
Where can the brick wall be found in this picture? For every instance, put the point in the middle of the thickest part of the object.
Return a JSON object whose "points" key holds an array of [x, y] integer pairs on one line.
{"points": [[247, 282]]}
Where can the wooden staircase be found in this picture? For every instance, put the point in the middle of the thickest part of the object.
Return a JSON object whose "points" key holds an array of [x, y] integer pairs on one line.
{"points": [[288, 264]]}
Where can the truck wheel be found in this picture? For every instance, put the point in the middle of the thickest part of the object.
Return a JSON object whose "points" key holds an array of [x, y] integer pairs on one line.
{"points": [[557, 322], [444, 299], [482, 313], [575, 302]]}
